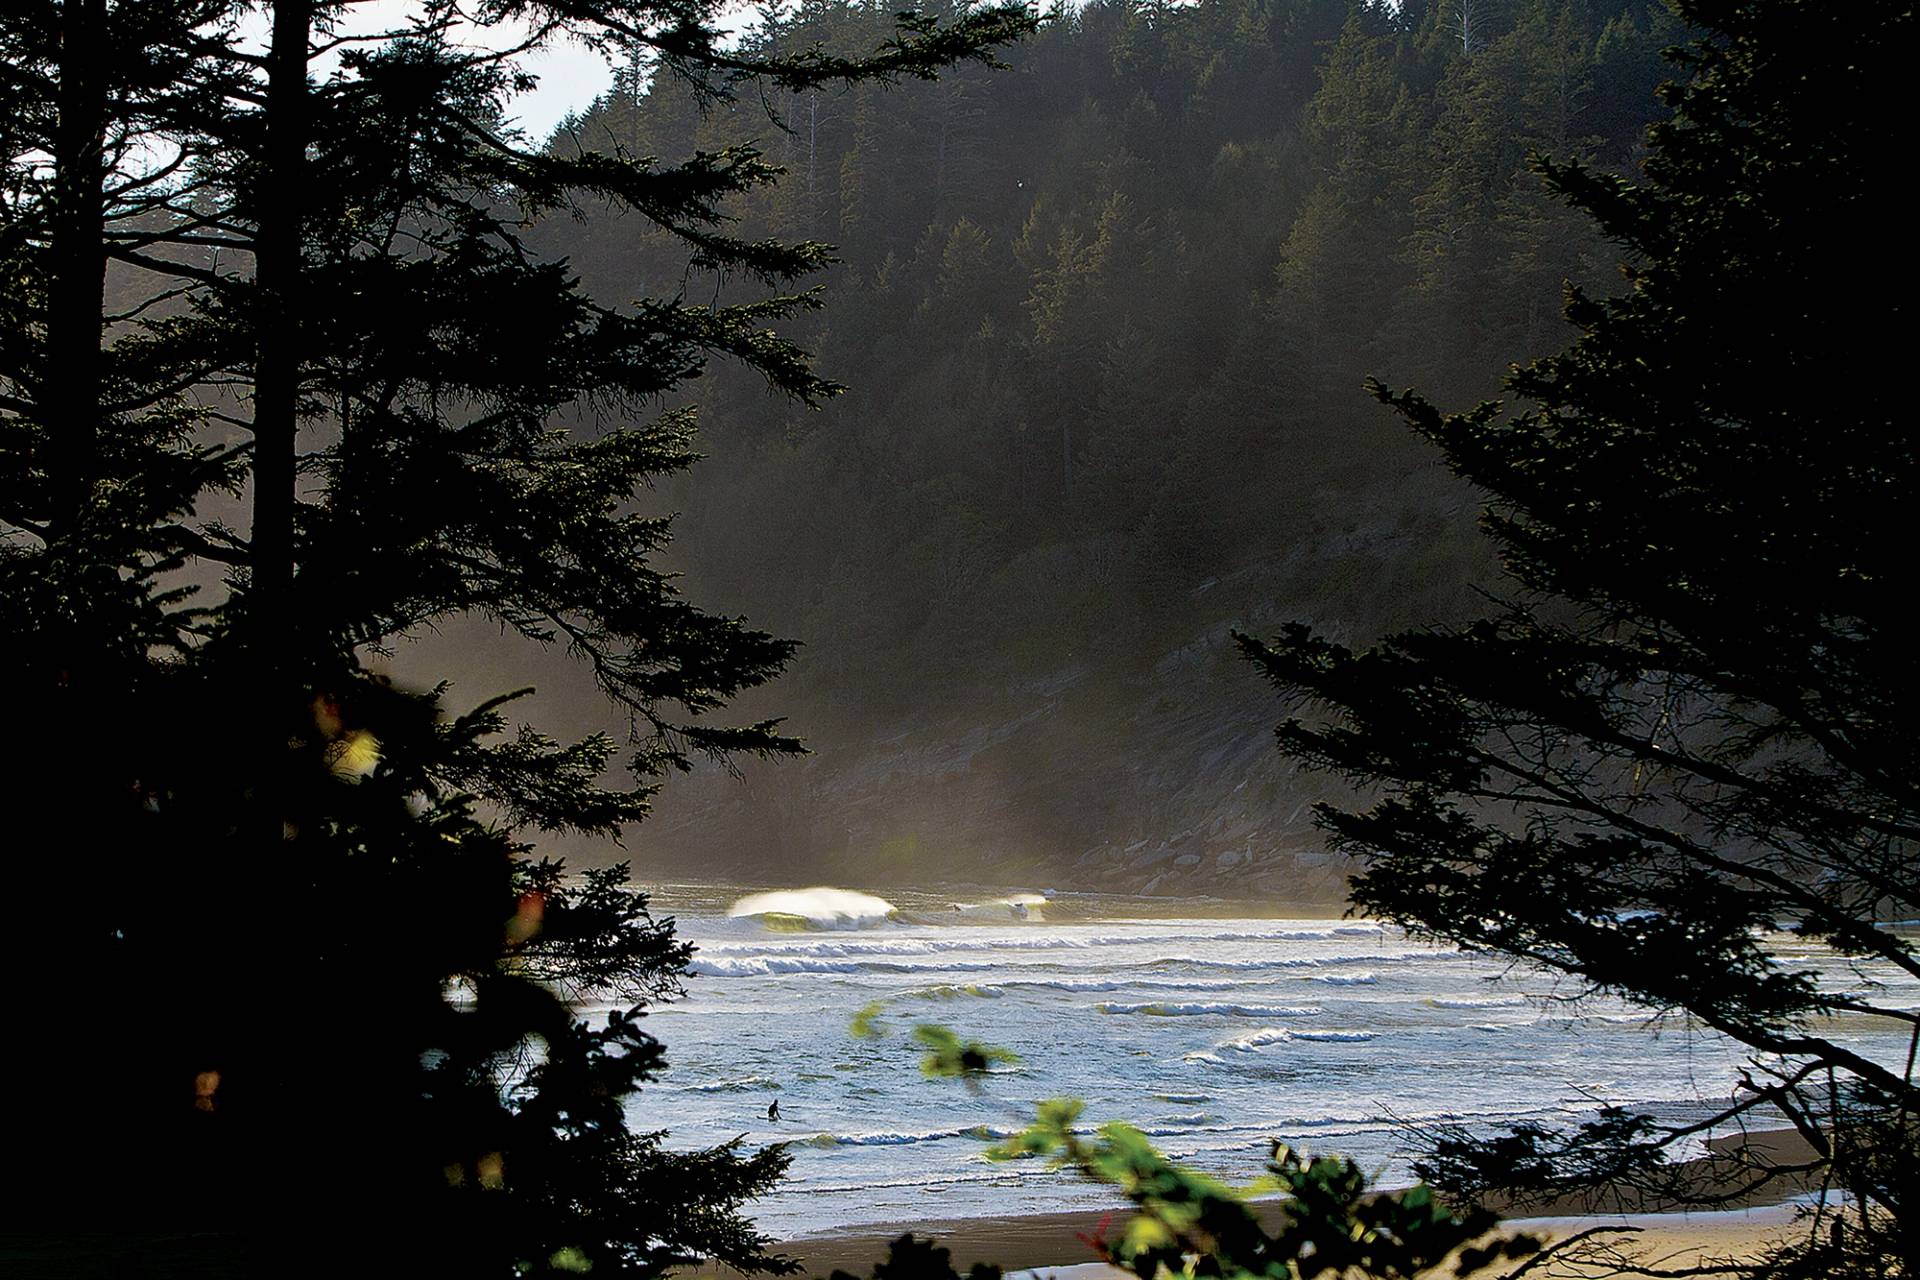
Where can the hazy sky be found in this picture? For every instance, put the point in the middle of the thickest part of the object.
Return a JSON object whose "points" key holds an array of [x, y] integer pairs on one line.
{"points": [[571, 76]]}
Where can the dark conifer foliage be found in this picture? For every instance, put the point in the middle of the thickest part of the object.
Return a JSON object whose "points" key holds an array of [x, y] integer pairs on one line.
{"points": [[349, 405], [1105, 318], [1692, 719]]}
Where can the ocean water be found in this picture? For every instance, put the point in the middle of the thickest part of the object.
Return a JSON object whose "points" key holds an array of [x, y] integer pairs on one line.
{"points": [[1215, 1031]]}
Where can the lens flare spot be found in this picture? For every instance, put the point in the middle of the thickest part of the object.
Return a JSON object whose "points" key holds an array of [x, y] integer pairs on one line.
{"points": [[572, 1259], [528, 915], [354, 755], [326, 716]]}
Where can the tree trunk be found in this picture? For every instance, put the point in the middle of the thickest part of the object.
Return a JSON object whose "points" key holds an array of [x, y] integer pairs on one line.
{"points": [[69, 394], [269, 646], [277, 371]]}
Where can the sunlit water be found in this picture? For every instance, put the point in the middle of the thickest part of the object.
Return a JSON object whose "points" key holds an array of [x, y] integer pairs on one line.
{"points": [[1214, 1034]]}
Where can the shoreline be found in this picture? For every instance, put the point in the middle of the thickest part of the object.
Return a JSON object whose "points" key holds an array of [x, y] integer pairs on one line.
{"points": [[1049, 1243], [1060, 1240]]}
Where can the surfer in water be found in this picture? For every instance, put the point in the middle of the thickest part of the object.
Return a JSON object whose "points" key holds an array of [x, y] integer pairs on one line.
{"points": [[773, 1112]]}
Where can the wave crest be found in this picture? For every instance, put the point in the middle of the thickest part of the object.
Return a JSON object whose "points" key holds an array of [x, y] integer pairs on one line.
{"points": [[815, 908], [744, 1084], [1254, 1041]]}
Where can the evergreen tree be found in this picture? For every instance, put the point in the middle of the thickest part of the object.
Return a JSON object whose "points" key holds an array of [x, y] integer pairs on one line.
{"points": [[1691, 724], [345, 977], [1338, 270], [101, 462]]}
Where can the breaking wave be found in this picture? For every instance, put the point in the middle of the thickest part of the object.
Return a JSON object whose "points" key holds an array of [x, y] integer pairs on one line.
{"points": [[1018, 906], [745, 1084], [937, 946], [1254, 1041], [815, 908], [718, 962], [763, 966]]}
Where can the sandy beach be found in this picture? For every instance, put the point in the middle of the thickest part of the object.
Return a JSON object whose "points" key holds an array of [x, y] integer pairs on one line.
{"points": [[1060, 1242], [1050, 1243]]}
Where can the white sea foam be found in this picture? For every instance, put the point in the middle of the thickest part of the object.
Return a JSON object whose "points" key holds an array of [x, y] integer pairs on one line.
{"points": [[1257, 1039], [1319, 962], [1336, 1037], [713, 962], [999, 941], [764, 966], [1347, 979], [835, 947], [1479, 1002], [1017, 906], [1096, 986], [1641, 1018]]}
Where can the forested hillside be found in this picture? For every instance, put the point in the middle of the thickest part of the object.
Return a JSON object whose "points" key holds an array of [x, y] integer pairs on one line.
{"points": [[1105, 319]]}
